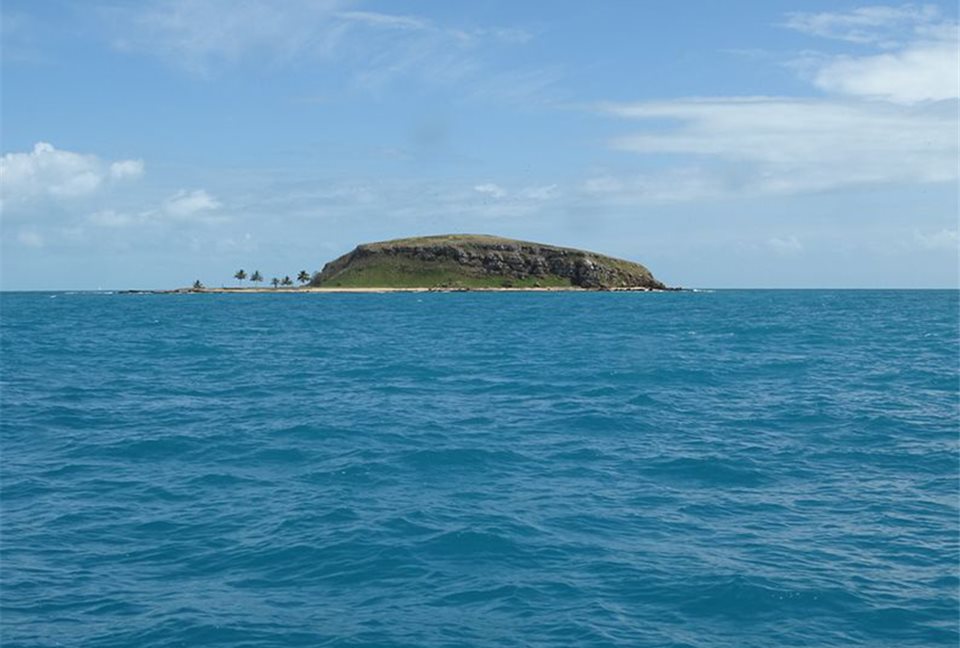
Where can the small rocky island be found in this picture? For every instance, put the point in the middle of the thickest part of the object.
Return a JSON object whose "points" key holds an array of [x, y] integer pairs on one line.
{"points": [[452, 262], [471, 261]]}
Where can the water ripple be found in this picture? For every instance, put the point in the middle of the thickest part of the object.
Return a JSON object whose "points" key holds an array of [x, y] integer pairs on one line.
{"points": [[755, 468]]}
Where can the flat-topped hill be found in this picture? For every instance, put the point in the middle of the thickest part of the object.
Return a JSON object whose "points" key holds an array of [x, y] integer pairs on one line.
{"points": [[478, 261]]}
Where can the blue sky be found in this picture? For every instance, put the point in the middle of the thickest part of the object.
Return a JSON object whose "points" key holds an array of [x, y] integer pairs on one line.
{"points": [[733, 144]]}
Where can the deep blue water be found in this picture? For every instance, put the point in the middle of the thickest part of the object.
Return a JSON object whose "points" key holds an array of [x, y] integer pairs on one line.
{"points": [[735, 468]]}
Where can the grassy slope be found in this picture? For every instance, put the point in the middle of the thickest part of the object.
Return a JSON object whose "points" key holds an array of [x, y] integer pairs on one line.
{"points": [[407, 273], [461, 239]]}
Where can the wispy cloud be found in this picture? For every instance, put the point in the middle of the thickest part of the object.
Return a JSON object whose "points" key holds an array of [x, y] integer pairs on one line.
{"points": [[391, 21], [872, 25], [201, 35], [786, 145], [785, 245], [113, 218], [20, 34], [382, 49], [185, 204], [677, 184], [541, 192], [29, 237], [374, 48], [945, 239], [490, 189]]}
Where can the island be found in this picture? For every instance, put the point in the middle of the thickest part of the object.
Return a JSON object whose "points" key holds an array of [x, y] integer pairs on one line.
{"points": [[455, 262], [479, 261]]}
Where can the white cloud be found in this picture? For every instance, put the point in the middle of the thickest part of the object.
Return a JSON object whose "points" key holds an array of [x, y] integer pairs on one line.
{"points": [[512, 35], [29, 238], [783, 145], [922, 61], [666, 186], [111, 218], [605, 184], [543, 192], [785, 246], [50, 172], [195, 206], [490, 189], [126, 169], [927, 71], [945, 239], [881, 25], [184, 204]]}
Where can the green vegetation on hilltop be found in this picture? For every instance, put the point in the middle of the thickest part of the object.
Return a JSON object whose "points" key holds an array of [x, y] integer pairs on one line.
{"points": [[399, 272]]}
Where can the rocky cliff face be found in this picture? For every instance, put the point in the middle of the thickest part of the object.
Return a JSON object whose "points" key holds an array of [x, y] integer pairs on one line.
{"points": [[485, 257]]}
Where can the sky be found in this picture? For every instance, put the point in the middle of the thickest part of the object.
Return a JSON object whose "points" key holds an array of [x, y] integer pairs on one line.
{"points": [[762, 144]]}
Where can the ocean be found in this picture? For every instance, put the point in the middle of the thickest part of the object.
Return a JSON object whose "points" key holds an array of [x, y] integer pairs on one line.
{"points": [[726, 468]]}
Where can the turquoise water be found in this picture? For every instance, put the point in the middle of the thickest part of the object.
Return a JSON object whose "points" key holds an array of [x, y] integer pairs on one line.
{"points": [[730, 468]]}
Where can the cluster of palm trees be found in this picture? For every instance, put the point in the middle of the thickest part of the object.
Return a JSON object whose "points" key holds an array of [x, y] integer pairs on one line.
{"points": [[303, 277]]}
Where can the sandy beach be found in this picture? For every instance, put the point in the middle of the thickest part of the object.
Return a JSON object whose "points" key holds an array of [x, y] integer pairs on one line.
{"points": [[336, 290]]}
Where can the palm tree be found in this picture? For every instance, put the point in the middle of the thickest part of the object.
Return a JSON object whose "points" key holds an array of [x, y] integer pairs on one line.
{"points": [[256, 277], [303, 277], [197, 285], [275, 282], [287, 281], [240, 276]]}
